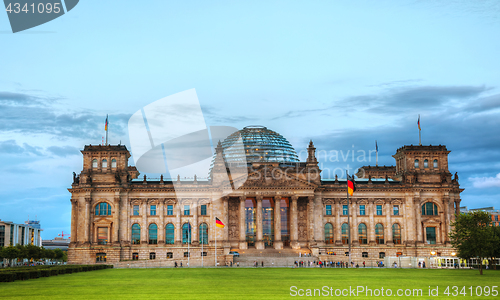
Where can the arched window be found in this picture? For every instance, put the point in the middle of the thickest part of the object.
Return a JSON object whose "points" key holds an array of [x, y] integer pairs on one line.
{"points": [[170, 234], [362, 234], [103, 209], [345, 234], [94, 163], [328, 233], [379, 234], [104, 163], [426, 164], [136, 234], [435, 165], [429, 209], [396, 234], [186, 233], [113, 163], [416, 164], [153, 234], [203, 233]]}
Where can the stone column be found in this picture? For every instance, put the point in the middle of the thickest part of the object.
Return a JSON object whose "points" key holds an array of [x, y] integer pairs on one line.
{"points": [[371, 226], [388, 222], [178, 225], [194, 230], [74, 222], [310, 220], [441, 229], [419, 230], [144, 221], [294, 232], [161, 226], [447, 219], [242, 243], [259, 244], [278, 244], [225, 203], [116, 220], [338, 225], [86, 240], [354, 222], [319, 226], [124, 219]]}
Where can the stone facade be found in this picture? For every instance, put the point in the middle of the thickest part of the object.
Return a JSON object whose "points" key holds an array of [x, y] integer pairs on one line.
{"points": [[405, 211]]}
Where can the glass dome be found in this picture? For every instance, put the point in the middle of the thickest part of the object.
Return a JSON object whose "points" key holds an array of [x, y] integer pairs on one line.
{"points": [[260, 144]]}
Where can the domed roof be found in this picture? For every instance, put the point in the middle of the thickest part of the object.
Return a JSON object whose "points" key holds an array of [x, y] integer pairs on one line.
{"points": [[260, 144]]}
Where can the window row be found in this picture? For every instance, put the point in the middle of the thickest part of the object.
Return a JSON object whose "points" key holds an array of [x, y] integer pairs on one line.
{"points": [[104, 163], [363, 234], [170, 210], [362, 210], [426, 164], [170, 234]]}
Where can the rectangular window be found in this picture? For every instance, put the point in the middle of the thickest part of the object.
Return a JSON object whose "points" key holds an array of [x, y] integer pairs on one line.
{"points": [[152, 210], [203, 210], [136, 210], [379, 210], [102, 235], [170, 255], [152, 255], [2, 235], [170, 210], [186, 254], [362, 210], [364, 254], [100, 257], [186, 210], [496, 218], [381, 254], [135, 256], [395, 210], [328, 210], [345, 210], [430, 233]]}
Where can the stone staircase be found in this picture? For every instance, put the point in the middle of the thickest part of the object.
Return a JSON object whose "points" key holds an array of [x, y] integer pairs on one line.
{"points": [[271, 257]]}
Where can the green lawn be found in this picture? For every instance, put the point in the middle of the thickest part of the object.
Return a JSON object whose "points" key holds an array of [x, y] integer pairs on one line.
{"points": [[243, 283]]}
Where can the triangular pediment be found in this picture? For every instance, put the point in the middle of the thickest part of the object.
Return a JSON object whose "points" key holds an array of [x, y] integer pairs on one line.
{"points": [[271, 178]]}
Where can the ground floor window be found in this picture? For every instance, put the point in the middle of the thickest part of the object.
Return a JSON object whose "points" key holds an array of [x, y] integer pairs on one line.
{"points": [[152, 255], [100, 257], [135, 256], [203, 253], [364, 254], [102, 235], [398, 254], [170, 255], [346, 253], [186, 254], [430, 233], [381, 254]]}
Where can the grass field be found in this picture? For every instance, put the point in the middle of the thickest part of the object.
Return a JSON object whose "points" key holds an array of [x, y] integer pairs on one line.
{"points": [[243, 283]]}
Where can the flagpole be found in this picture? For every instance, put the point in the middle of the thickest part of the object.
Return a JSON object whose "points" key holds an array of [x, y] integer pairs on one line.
{"points": [[376, 159], [419, 132], [189, 241], [348, 220], [106, 131], [215, 230], [202, 248]]}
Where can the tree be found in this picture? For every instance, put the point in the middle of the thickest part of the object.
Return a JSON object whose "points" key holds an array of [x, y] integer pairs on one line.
{"points": [[58, 254], [10, 253], [473, 236]]}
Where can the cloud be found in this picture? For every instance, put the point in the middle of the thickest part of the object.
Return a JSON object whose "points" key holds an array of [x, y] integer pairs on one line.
{"points": [[11, 147], [25, 99], [63, 151], [486, 182]]}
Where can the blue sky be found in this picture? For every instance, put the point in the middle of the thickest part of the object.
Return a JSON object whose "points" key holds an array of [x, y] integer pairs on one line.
{"points": [[343, 74]]}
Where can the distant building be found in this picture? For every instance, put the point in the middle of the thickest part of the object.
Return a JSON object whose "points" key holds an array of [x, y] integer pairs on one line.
{"points": [[23, 234], [56, 243], [495, 213], [34, 224]]}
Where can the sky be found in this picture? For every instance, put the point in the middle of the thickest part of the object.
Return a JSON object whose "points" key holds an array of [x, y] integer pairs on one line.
{"points": [[340, 73]]}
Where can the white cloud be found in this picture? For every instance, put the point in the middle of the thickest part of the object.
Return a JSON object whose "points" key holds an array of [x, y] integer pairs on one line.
{"points": [[485, 182]]}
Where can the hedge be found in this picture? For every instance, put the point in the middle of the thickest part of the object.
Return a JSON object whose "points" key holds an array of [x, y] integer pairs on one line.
{"points": [[25, 272], [7, 277]]}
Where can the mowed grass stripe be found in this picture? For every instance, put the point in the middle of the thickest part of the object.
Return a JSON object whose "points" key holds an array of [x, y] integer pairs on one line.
{"points": [[237, 283]]}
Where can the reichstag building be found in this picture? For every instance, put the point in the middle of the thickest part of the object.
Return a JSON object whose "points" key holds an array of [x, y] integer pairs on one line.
{"points": [[281, 203]]}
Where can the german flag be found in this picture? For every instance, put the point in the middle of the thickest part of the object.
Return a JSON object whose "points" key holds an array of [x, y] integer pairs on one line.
{"points": [[106, 124], [219, 223], [351, 185]]}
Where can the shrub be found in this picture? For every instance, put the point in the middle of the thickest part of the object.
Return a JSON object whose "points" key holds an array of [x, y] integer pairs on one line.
{"points": [[22, 275], [54, 272], [45, 273], [34, 274], [7, 276]]}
